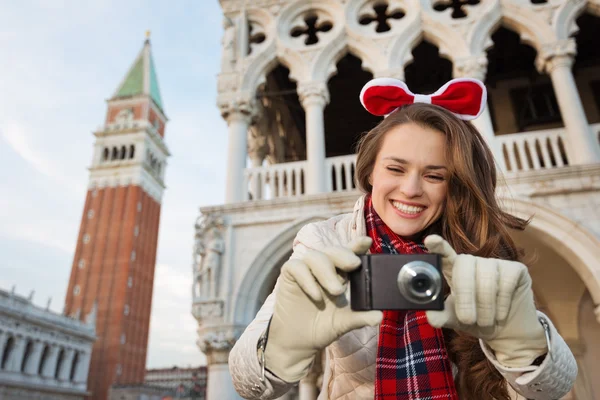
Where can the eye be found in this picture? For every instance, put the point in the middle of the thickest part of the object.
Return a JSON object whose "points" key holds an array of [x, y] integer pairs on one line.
{"points": [[397, 170], [436, 177]]}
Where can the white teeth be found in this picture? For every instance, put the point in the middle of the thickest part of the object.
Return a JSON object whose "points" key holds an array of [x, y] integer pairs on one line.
{"points": [[407, 209]]}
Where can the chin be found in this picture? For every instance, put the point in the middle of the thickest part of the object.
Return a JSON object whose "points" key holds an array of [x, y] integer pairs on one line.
{"points": [[404, 231]]}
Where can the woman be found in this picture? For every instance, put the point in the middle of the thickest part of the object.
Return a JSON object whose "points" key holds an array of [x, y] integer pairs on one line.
{"points": [[429, 182]]}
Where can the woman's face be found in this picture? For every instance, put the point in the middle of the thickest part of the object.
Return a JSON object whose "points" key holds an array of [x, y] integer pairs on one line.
{"points": [[410, 178]]}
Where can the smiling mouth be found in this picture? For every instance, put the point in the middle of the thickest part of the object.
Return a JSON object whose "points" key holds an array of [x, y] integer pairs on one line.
{"points": [[406, 208]]}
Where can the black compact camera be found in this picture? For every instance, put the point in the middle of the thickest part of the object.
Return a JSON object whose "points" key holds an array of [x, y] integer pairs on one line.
{"points": [[397, 282]]}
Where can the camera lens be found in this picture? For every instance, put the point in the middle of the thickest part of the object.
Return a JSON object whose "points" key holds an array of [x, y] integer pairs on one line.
{"points": [[419, 282]]}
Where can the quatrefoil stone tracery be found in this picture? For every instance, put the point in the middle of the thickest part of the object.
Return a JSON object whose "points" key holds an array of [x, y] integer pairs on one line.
{"points": [[256, 36], [457, 6], [313, 24], [382, 14]]}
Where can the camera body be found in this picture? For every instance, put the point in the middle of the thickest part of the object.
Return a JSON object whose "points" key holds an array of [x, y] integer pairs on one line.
{"points": [[397, 282]]}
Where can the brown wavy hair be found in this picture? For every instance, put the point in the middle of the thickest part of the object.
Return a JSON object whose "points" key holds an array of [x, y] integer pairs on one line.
{"points": [[472, 222]]}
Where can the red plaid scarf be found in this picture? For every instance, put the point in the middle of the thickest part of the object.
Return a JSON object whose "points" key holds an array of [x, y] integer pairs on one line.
{"points": [[412, 361]]}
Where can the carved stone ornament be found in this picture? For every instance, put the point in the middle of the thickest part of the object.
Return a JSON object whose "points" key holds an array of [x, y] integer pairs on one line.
{"points": [[229, 46], [217, 343], [236, 106], [474, 67], [208, 310], [227, 82], [313, 91], [553, 55], [230, 6], [209, 246]]}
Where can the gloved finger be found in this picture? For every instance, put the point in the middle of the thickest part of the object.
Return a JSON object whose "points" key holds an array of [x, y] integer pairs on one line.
{"points": [[300, 273], [360, 245], [445, 318], [323, 269], [437, 245], [346, 320], [464, 288], [343, 258], [510, 273], [487, 290]]}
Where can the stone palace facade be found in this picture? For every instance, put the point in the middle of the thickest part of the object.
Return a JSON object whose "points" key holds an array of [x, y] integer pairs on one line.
{"points": [[44, 355], [290, 78]]}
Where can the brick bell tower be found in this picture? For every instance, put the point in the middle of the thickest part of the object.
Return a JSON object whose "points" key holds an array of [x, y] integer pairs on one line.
{"points": [[113, 267]]}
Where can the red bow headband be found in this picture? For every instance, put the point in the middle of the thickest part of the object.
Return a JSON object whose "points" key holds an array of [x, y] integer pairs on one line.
{"points": [[464, 97]]}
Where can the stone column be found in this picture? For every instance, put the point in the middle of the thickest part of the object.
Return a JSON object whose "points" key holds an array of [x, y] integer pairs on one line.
{"points": [[597, 313], [83, 366], [258, 148], [216, 345], [32, 366], [51, 360], [65, 367], [314, 96], [556, 60], [476, 67], [16, 356], [238, 116]]}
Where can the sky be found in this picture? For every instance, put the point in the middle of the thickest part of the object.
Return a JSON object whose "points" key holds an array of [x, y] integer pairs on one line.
{"points": [[59, 62]]}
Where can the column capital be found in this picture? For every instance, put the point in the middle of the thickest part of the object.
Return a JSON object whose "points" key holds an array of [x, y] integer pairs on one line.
{"points": [[240, 108], [217, 342], [554, 55], [313, 92], [472, 67]]}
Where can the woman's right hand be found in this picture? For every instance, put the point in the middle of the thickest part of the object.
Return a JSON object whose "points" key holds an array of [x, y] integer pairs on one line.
{"points": [[311, 310]]}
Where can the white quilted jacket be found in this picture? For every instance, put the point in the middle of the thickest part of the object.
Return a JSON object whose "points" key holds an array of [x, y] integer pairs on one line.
{"points": [[350, 361]]}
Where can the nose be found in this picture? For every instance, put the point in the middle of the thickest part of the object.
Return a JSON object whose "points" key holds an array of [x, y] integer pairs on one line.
{"points": [[412, 186]]}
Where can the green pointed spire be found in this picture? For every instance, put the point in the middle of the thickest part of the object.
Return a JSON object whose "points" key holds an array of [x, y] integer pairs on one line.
{"points": [[141, 78]]}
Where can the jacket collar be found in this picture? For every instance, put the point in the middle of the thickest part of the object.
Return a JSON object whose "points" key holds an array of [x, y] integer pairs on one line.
{"points": [[359, 227]]}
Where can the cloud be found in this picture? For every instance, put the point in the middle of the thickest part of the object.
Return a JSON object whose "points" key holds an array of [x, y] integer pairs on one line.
{"points": [[17, 136], [63, 59], [172, 326]]}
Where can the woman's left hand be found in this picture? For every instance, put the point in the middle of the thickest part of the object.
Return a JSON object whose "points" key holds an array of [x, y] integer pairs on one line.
{"points": [[491, 299]]}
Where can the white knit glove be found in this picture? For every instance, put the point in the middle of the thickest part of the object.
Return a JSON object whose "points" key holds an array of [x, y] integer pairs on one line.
{"points": [[492, 300], [311, 310]]}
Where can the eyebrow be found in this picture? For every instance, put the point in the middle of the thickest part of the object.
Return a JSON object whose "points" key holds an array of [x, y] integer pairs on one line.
{"points": [[403, 161]]}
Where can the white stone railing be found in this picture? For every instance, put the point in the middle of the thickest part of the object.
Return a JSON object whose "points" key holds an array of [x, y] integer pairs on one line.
{"points": [[528, 151], [275, 181], [535, 150], [340, 173]]}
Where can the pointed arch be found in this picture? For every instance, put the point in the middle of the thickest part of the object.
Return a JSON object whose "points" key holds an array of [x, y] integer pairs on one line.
{"points": [[564, 21], [401, 49], [449, 41], [258, 64], [480, 36], [531, 26]]}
